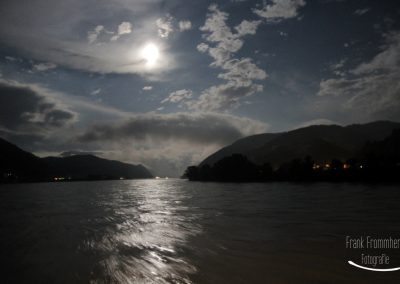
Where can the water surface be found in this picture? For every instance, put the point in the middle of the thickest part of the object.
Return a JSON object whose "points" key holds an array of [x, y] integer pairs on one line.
{"points": [[175, 231]]}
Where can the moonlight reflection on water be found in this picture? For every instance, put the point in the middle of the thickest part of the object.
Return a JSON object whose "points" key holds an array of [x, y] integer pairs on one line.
{"points": [[175, 231], [150, 229]]}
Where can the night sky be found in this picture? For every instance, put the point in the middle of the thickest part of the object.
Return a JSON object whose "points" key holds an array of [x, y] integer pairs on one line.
{"points": [[165, 83]]}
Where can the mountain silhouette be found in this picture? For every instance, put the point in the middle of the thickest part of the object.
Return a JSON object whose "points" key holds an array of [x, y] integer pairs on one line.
{"points": [[90, 166], [17, 162], [241, 146], [19, 165], [360, 153], [321, 142]]}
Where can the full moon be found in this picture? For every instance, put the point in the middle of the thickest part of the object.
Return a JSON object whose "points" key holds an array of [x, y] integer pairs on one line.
{"points": [[150, 54]]}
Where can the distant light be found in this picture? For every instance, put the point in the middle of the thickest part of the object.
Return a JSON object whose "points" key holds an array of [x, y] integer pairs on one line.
{"points": [[361, 166], [59, 178], [157, 177], [316, 167]]}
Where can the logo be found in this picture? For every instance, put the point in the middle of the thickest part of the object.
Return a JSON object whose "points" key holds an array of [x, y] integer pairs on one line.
{"points": [[373, 269], [374, 254]]}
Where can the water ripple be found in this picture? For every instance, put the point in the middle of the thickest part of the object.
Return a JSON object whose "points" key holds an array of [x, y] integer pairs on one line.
{"points": [[145, 233]]}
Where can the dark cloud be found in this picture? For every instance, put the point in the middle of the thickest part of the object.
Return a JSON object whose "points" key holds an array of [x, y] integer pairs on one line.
{"points": [[168, 143], [24, 109], [200, 128]]}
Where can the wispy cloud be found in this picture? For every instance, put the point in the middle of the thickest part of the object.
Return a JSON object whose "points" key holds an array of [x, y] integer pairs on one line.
{"points": [[10, 58], [185, 25], [44, 66], [95, 92], [317, 121], [147, 88], [371, 89], [92, 35], [280, 10], [178, 96], [361, 12]]}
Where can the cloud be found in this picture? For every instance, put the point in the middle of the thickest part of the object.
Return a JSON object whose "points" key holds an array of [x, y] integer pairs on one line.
{"points": [[44, 66], [203, 47], [218, 32], [338, 68], [317, 121], [178, 96], [26, 110], [96, 92], [105, 57], [147, 88], [80, 152], [368, 95], [10, 58], [168, 143], [93, 34], [280, 10], [198, 128], [247, 27], [388, 60], [165, 26], [339, 65], [361, 12], [84, 106], [123, 28], [77, 43], [43, 120], [239, 74], [223, 97], [242, 71], [185, 25], [372, 88]]}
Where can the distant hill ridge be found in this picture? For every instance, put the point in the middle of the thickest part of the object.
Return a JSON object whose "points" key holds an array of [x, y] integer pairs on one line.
{"points": [[321, 142], [19, 165]]}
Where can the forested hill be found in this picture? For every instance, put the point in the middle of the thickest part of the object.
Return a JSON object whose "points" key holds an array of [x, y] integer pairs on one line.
{"points": [[17, 165]]}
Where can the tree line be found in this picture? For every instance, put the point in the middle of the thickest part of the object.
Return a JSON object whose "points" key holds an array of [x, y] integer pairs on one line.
{"points": [[376, 161]]}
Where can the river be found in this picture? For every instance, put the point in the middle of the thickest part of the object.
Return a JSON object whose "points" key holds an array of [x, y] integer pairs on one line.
{"points": [[176, 231]]}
